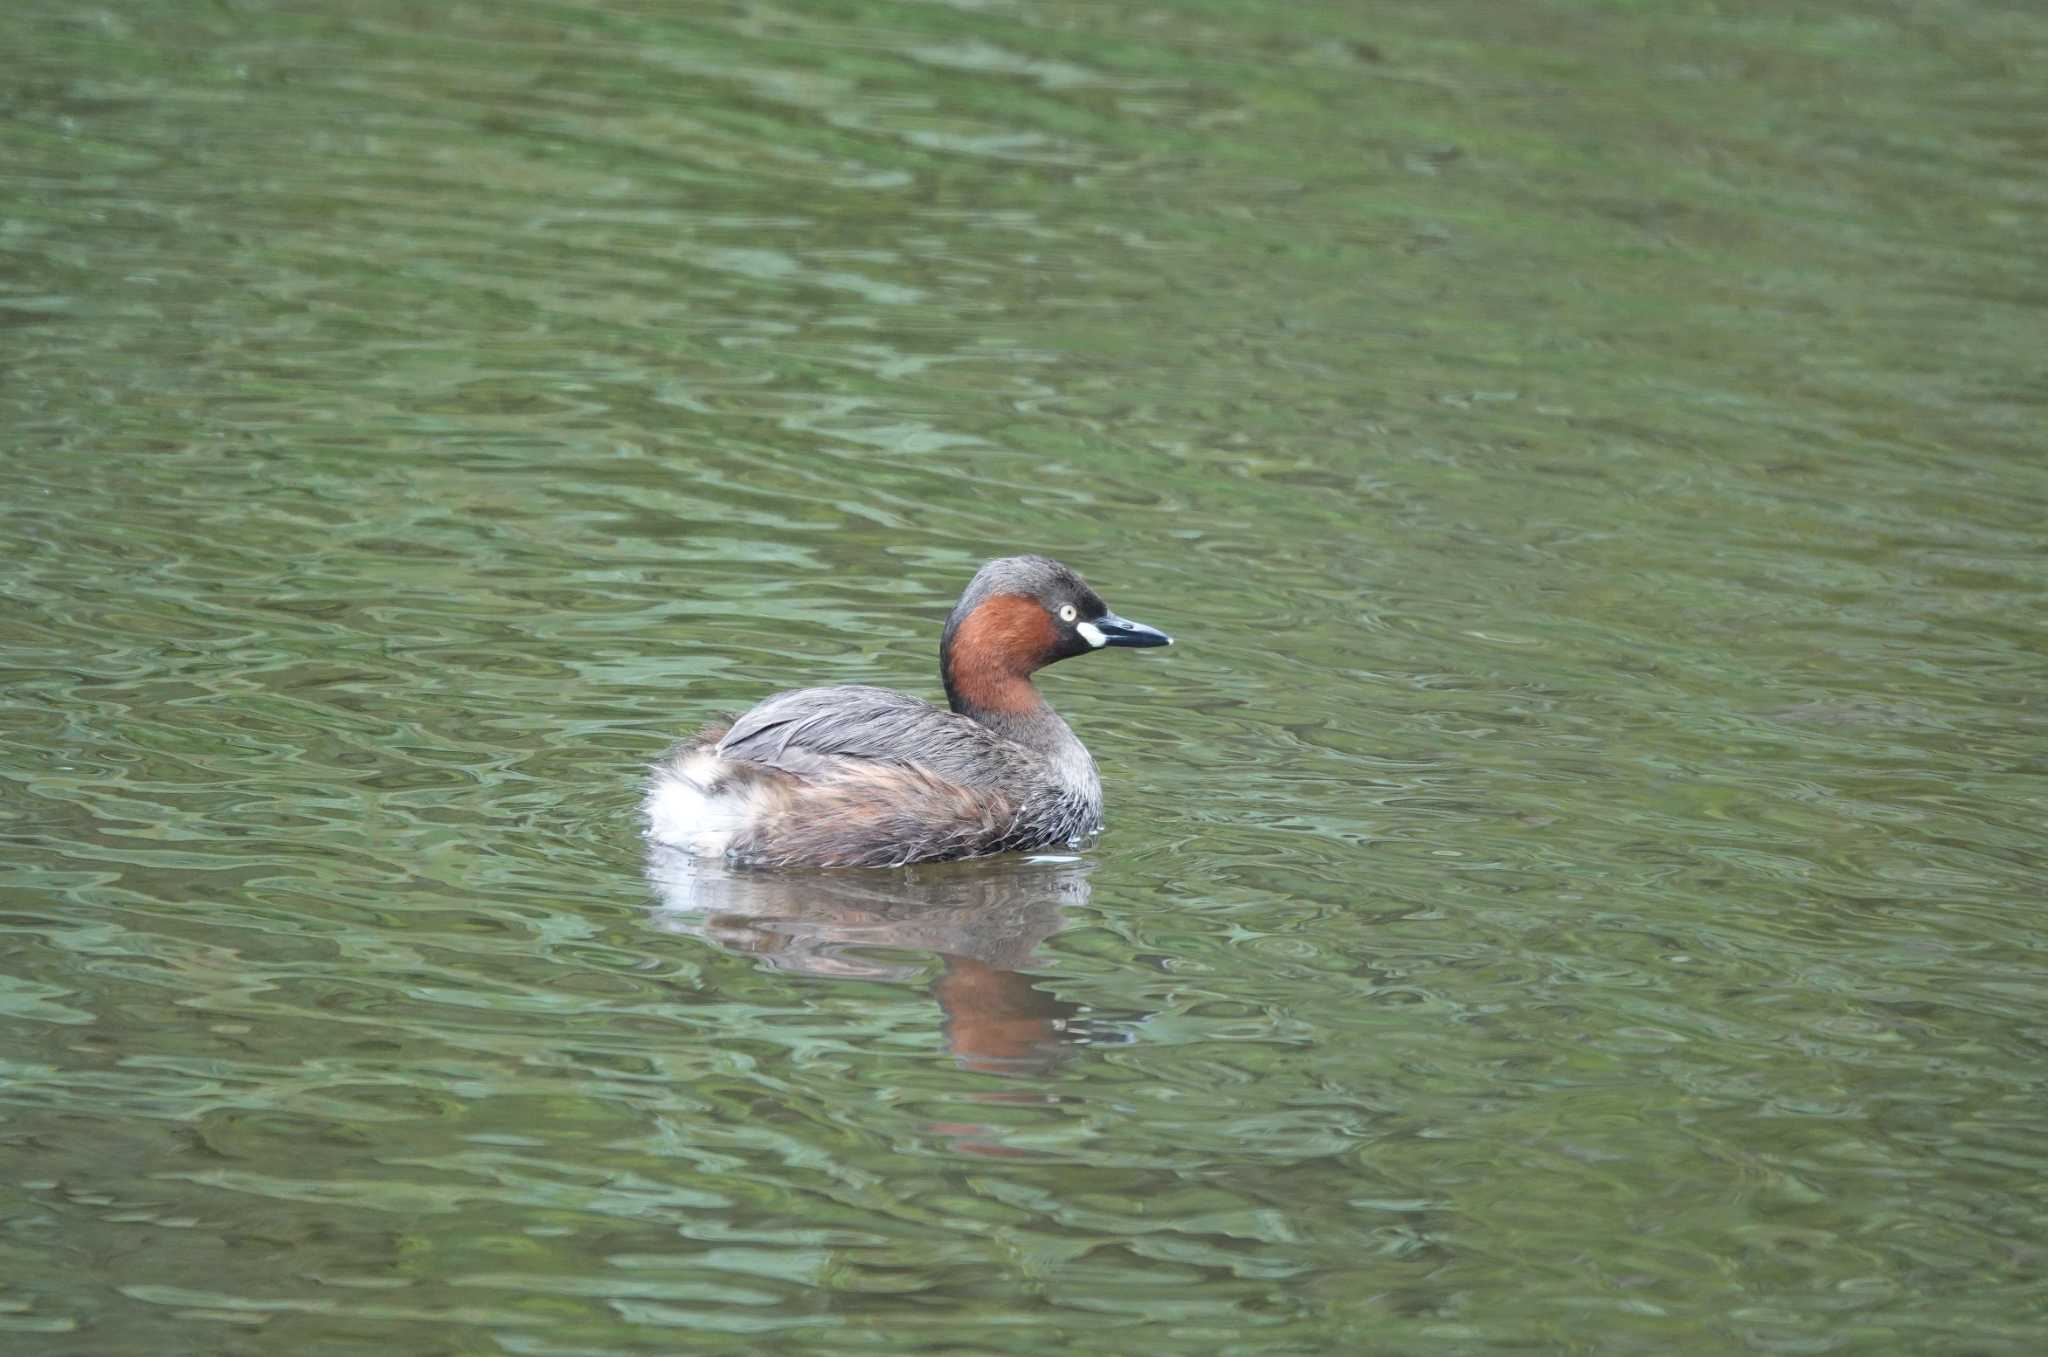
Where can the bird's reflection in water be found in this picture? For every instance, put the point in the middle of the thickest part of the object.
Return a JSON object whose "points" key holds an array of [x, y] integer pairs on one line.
{"points": [[983, 919]]}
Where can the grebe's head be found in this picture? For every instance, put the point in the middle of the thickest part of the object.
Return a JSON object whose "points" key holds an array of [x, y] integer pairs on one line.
{"points": [[1019, 614]]}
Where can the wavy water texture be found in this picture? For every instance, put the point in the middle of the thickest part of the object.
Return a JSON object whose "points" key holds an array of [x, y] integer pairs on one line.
{"points": [[1575, 886]]}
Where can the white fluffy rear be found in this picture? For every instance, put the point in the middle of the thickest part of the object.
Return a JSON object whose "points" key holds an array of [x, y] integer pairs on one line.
{"points": [[691, 807]]}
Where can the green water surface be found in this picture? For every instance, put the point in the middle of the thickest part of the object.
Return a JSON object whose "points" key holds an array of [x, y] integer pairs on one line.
{"points": [[1576, 887]]}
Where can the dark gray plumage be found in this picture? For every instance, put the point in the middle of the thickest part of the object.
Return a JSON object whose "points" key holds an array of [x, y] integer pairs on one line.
{"points": [[799, 731]]}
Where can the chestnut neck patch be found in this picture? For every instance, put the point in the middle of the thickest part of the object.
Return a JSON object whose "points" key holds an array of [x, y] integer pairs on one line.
{"points": [[989, 660]]}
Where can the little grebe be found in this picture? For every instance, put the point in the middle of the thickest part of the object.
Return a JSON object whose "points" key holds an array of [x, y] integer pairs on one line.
{"points": [[855, 776]]}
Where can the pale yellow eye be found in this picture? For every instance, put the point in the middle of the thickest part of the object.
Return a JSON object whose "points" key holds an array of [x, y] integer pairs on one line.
{"points": [[1067, 613]]}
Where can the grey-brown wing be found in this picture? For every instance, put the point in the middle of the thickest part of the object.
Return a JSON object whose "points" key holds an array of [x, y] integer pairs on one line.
{"points": [[801, 732]]}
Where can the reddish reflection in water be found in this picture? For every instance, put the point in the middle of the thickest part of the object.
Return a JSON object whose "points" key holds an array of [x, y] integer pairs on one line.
{"points": [[982, 919]]}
